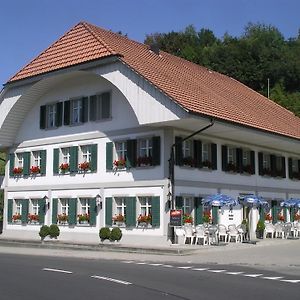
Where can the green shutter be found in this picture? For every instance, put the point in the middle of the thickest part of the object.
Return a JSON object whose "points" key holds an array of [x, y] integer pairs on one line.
{"points": [[108, 211], [198, 211], [252, 162], [74, 159], [94, 158], [11, 164], [26, 163], [273, 165], [274, 211], [131, 154], [155, 211], [85, 109], [72, 216], [290, 165], [239, 159], [178, 151], [215, 215], [283, 170], [130, 218], [178, 202], [54, 210], [43, 116], [25, 206], [214, 164], [93, 211], [55, 161], [9, 210], [156, 151], [109, 156], [67, 112], [42, 210], [43, 154], [93, 107], [224, 158], [285, 209], [58, 116], [292, 212], [261, 214], [198, 153]]}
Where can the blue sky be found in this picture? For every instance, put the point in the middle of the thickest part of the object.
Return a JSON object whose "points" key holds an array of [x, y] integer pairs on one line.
{"points": [[30, 26]]}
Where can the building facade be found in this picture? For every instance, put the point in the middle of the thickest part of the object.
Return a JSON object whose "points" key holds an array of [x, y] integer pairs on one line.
{"points": [[89, 141]]}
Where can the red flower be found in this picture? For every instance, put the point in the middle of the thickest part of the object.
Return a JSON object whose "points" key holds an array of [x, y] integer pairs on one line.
{"points": [[35, 169], [18, 170], [281, 217], [120, 163], [268, 217], [84, 166], [64, 166]]}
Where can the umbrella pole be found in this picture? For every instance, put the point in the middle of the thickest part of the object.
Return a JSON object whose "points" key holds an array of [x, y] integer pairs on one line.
{"points": [[252, 226]]}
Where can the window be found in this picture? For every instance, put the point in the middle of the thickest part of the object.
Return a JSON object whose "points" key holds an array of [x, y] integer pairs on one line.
{"points": [[145, 152], [119, 211], [266, 161], [18, 207], [206, 152], [278, 163], [187, 205], [84, 211], [231, 155], [246, 158], [50, 115], [121, 150], [36, 158], [33, 213], [145, 205], [295, 167], [65, 156], [76, 111], [187, 148], [34, 207], [86, 153], [100, 107], [19, 160]]}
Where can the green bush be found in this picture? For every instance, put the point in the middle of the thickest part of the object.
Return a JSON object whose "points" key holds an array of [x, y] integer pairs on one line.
{"points": [[44, 231], [104, 233], [116, 234], [54, 231]]}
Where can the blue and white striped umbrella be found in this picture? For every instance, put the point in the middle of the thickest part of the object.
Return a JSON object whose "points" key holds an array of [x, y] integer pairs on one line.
{"points": [[219, 200], [292, 202], [253, 200]]}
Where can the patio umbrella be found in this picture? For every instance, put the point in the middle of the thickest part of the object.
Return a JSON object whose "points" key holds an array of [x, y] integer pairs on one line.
{"points": [[219, 200], [253, 200], [292, 202]]}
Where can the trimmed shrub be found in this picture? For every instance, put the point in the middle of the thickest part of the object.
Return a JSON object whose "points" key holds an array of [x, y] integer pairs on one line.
{"points": [[116, 234], [44, 231], [54, 231], [104, 233]]}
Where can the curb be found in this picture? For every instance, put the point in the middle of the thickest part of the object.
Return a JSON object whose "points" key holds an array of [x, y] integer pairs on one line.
{"points": [[94, 247]]}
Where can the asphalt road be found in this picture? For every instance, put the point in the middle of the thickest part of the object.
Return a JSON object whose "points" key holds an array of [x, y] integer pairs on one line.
{"points": [[36, 277]]}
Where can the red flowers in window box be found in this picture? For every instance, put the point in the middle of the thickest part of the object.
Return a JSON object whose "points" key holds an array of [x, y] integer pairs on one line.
{"points": [[18, 170], [83, 218], [144, 219], [63, 218], [281, 217], [33, 218], [118, 218], [206, 217], [144, 161], [35, 169], [297, 217], [64, 167], [207, 164], [120, 163], [268, 217], [84, 166], [16, 217], [187, 219]]}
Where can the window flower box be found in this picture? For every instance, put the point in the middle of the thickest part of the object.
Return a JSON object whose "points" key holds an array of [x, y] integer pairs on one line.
{"points": [[248, 169], [297, 217], [118, 220], [120, 163], [16, 218], [33, 219], [281, 218], [266, 172], [62, 219], [64, 167], [144, 161], [144, 220], [17, 171], [296, 175], [207, 164], [188, 161], [83, 218], [84, 166], [206, 218], [187, 219], [231, 167], [35, 170]]}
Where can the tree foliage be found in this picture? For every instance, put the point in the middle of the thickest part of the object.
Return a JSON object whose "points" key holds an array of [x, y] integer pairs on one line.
{"points": [[259, 56]]}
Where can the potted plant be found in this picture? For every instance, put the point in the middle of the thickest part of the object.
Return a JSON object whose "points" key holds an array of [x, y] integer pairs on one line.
{"points": [[44, 231], [83, 218], [33, 219], [84, 166], [104, 234], [206, 218], [16, 218], [18, 171], [207, 164], [260, 229], [187, 219], [115, 234], [64, 167], [144, 220], [35, 170], [118, 219], [120, 163], [268, 217], [231, 167], [188, 161], [54, 231], [62, 219]]}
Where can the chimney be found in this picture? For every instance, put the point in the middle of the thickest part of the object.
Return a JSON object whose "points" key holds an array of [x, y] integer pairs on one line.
{"points": [[154, 48]]}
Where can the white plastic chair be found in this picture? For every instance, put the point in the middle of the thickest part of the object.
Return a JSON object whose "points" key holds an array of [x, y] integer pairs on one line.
{"points": [[242, 230], [287, 229], [222, 233], [297, 227], [233, 233], [269, 230], [201, 235], [212, 234], [279, 231], [188, 234]]}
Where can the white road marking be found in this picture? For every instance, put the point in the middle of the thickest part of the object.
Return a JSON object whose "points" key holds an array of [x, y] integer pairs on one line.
{"points": [[253, 275], [57, 270], [234, 273], [291, 280], [128, 262], [200, 269], [216, 271], [185, 268], [167, 266], [155, 265], [111, 279], [141, 263], [272, 278]]}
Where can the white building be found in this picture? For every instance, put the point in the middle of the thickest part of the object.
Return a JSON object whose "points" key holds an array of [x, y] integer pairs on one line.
{"points": [[98, 97]]}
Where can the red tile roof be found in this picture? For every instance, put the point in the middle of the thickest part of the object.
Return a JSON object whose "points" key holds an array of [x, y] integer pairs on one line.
{"points": [[195, 88]]}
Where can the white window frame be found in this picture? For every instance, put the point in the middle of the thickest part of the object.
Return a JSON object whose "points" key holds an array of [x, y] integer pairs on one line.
{"points": [[231, 155], [35, 158], [120, 150], [51, 115], [246, 158], [84, 205], [187, 205], [206, 152], [187, 148], [266, 161], [99, 108], [18, 206], [34, 207], [145, 147], [65, 155], [145, 209], [64, 206], [19, 160], [120, 208], [85, 153]]}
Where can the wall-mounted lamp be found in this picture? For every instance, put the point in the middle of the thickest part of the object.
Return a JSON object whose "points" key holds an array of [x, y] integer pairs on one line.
{"points": [[47, 203], [169, 199], [98, 201]]}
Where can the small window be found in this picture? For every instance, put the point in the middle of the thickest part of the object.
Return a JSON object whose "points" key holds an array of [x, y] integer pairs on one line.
{"points": [[100, 107], [206, 152], [231, 155], [266, 161], [36, 159], [121, 150], [86, 153], [51, 115], [33, 213], [187, 148], [187, 206], [145, 150], [119, 211], [145, 206], [246, 158], [83, 216], [19, 160], [65, 155], [295, 165], [76, 111]]}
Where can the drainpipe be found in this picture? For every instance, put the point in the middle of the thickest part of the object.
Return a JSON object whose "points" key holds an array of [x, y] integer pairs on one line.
{"points": [[172, 168]]}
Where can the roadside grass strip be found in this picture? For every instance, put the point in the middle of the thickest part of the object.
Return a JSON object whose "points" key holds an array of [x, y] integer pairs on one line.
{"points": [[57, 270], [111, 280]]}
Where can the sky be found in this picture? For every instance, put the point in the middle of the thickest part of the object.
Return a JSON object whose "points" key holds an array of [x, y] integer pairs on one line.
{"points": [[30, 26]]}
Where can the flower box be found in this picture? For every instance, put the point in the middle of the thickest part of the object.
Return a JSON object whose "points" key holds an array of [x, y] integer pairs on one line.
{"points": [[248, 169], [35, 170], [144, 220], [16, 218], [144, 161], [17, 171], [118, 220], [84, 166], [120, 163], [83, 218], [268, 217], [231, 167], [206, 218], [33, 219], [188, 161], [64, 167], [187, 219], [62, 219], [207, 164], [281, 218]]}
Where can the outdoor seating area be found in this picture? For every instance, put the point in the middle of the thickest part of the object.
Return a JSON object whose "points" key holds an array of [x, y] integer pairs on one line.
{"points": [[282, 230]]}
